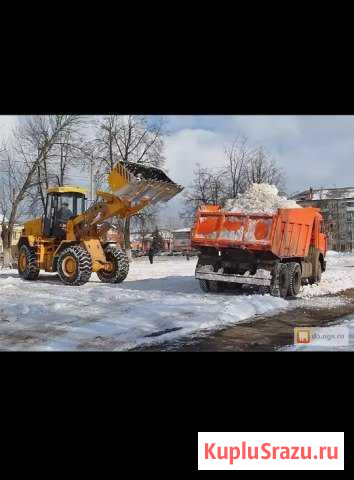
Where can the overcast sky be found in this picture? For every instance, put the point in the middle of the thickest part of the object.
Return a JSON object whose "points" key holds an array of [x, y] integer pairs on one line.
{"points": [[313, 150]]}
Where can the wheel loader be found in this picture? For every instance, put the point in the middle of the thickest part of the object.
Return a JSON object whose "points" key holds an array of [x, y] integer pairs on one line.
{"points": [[74, 247]]}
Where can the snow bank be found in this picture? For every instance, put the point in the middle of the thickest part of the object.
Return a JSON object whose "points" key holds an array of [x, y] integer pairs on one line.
{"points": [[332, 253], [259, 198], [157, 303], [339, 276]]}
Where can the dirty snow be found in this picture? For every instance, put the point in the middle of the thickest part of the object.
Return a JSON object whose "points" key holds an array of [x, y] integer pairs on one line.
{"points": [[156, 303], [259, 198]]}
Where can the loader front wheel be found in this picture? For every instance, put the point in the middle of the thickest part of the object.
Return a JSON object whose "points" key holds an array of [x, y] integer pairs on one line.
{"points": [[27, 263], [119, 266], [74, 266]]}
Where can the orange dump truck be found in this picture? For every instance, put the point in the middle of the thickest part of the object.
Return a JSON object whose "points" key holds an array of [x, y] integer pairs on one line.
{"points": [[281, 251]]}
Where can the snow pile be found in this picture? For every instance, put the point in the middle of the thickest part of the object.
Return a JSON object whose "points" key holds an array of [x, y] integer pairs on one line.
{"points": [[156, 303], [259, 198], [339, 276], [332, 253], [331, 282]]}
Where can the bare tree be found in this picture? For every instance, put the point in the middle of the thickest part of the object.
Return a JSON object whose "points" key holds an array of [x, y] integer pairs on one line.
{"points": [[262, 168], [243, 166], [208, 187], [128, 139], [143, 222], [33, 142], [237, 160], [69, 150]]}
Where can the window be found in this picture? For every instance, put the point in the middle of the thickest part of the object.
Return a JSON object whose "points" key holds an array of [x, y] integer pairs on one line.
{"points": [[76, 203]]}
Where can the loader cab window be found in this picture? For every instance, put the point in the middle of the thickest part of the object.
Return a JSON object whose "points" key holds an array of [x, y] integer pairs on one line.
{"points": [[65, 208], [71, 204], [60, 208]]}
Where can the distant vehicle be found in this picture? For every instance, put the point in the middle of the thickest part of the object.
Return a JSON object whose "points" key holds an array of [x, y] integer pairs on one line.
{"points": [[290, 244], [137, 253]]}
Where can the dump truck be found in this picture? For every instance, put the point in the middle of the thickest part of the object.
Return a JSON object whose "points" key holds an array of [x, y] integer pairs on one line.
{"points": [[70, 239], [280, 252]]}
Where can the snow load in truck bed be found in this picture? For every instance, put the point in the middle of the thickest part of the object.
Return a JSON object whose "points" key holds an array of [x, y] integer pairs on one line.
{"points": [[259, 198]]}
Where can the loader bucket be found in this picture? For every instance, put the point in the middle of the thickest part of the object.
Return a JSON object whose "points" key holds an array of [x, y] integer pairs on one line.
{"points": [[135, 182]]}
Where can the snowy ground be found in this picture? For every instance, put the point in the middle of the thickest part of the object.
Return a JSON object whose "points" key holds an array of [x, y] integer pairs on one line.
{"points": [[156, 303]]}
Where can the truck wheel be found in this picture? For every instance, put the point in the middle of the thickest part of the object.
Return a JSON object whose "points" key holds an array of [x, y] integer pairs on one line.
{"points": [[120, 266], [294, 279], [318, 274], [214, 286], [283, 280], [27, 263], [74, 265], [204, 285]]}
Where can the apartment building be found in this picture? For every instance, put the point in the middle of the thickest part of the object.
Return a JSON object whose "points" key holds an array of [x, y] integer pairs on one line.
{"points": [[337, 207]]}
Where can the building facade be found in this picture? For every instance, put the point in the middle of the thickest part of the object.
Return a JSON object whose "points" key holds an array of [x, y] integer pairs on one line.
{"points": [[182, 240], [15, 238], [337, 207], [138, 242]]}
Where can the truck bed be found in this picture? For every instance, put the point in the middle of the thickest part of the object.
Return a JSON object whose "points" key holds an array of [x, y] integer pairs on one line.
{"points": [[285, 234]]}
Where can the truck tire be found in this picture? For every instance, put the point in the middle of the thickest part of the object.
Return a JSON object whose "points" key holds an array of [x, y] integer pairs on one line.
{"points": [[120, 263], [204, 285], [281, 288], [318, 273], [27, 263], [215, 286], [74, 265], [294, 270], [284, 280], [211, 286]]}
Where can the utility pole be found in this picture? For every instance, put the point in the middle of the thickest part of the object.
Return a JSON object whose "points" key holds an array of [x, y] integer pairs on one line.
{"points": [[91, 182]]}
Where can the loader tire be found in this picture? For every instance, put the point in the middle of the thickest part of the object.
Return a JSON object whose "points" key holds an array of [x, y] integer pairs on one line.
{"points": [[27, 263], [294, 270], [120, 263], [74, 266]]}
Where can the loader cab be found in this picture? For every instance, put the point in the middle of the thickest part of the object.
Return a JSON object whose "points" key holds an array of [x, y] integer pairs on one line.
{"points": [[74, 197]]}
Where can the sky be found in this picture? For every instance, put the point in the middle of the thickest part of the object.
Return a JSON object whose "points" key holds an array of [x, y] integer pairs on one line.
{"points": [[315, 151]]}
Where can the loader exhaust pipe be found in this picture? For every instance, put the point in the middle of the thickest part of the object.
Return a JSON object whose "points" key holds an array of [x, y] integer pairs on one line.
{"points": [[135, 182]]}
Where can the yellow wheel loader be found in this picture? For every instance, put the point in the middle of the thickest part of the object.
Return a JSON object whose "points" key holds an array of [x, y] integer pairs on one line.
{"points": [[67, 238]]}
